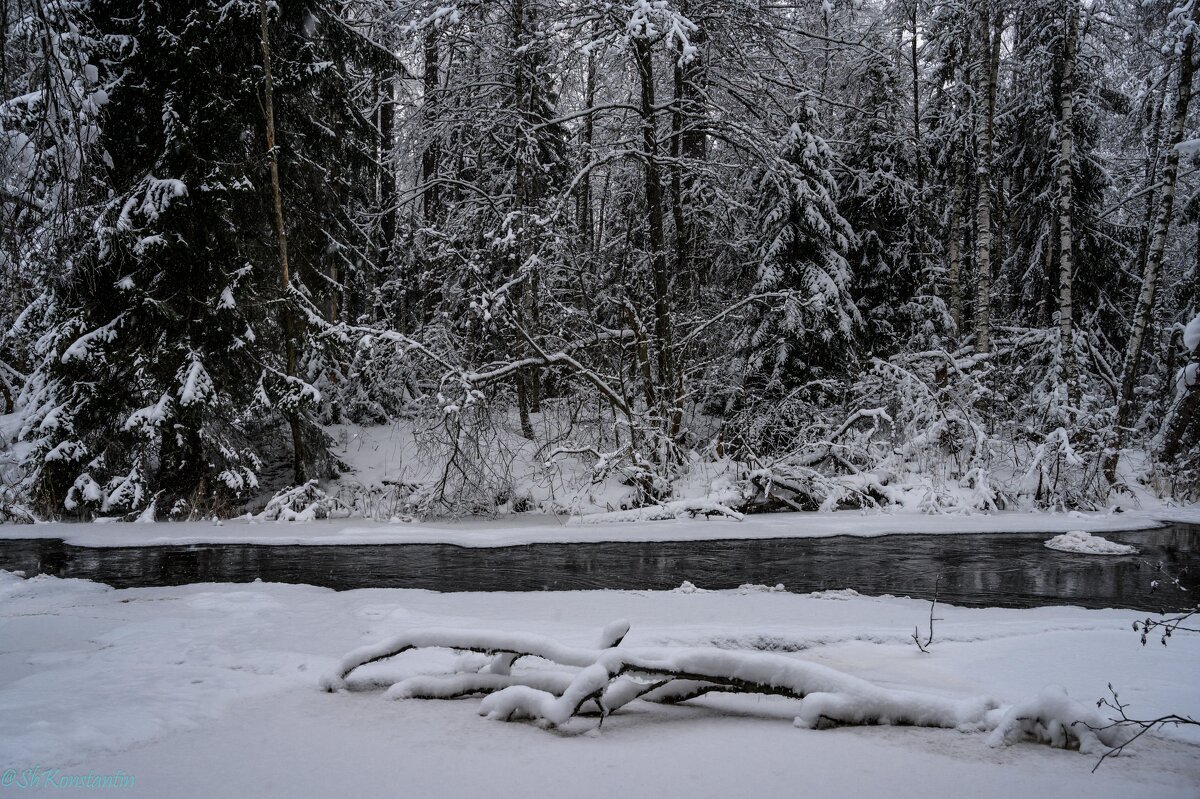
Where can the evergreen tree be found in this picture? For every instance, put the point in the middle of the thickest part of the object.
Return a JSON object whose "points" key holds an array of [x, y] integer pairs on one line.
{"points": [[803, 258], [163, 375]]}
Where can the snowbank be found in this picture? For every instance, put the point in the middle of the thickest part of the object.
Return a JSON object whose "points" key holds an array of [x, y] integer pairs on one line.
{"points": [[1088, 544], [545, 529], [163, 683]]}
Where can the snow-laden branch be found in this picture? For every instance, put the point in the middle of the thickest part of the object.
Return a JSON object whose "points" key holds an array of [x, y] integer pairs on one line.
{"points": [[829, 696], [485, 641], [611, 677], [608, 677]]}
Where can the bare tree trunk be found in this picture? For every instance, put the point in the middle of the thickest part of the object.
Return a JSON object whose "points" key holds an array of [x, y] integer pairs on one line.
{"points": [[429, 114], [4, 13], [985, 132], [957, 212], [521, 102], [1066, 202], [281, 234], [583, 207], [654, 211], [918, 243], [387, 174], [1150, 173], [687, 148], [675, 169], [1150, 275]]}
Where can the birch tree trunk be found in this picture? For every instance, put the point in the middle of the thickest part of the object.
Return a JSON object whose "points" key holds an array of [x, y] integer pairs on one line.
{"points": [[289, 327], [1154, 257], [1181, 413], [1066, 200], [1150, 176], [985, 133]]}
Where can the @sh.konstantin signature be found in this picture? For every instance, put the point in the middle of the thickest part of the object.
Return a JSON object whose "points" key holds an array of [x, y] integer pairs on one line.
{"points": [[44, 777]]}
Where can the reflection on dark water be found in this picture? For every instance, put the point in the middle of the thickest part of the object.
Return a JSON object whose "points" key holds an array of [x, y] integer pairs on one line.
{"points": [[1007, 570]]}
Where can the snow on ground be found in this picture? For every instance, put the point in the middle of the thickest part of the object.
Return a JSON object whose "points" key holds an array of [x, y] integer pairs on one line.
{"points": [[211, 691], [544, 529], [1088, 544]]}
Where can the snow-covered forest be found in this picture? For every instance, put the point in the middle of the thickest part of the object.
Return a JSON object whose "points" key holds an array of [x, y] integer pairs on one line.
{"points": [[940, 254]]}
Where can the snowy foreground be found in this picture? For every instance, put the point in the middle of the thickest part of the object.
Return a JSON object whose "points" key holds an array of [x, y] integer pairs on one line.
{"points": [[521, 529], [212, 690]]}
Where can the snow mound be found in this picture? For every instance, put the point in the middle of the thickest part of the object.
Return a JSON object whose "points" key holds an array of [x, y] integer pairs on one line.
{"points": [[677, 509], [840, 594], [1088, 544], [757, 588], [688, 587], [1054, 718]]}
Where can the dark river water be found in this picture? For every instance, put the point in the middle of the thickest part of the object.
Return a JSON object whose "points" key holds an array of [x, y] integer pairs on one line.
{"points": [[1004, 570]]}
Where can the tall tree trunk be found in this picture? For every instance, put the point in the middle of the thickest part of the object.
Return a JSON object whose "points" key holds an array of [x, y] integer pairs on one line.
{"points": [[654, 211], [957, 212], [289, 326], [387, 172], [985, 132], [1154, 257], [583, 207], [521, 101], [683, 277], [687, 150], [1150, 173], [429, 114], [1066, 202], [918, 230]]}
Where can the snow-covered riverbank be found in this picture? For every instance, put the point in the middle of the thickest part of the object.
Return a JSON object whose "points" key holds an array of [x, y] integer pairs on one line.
{"points": [[545, 529], [211, 690]]}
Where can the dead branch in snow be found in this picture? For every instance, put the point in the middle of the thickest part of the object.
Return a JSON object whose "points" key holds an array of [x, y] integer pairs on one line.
{"points": [[916, 636]]}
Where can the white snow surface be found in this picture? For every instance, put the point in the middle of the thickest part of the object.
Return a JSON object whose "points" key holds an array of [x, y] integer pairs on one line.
{"points": [[1084, 543], [212, 691], [521, 529]]}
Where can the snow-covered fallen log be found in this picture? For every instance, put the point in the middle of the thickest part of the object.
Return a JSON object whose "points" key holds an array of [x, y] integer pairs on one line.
{"points": [[829, 697], [610, 678], [607, 678]]}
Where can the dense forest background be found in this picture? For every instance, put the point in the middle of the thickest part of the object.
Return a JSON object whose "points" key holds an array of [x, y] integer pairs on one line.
{"points": [[932, 253]]}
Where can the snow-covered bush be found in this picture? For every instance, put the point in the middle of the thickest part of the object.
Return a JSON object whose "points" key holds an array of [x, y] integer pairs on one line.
{"points": [[303, 503]]}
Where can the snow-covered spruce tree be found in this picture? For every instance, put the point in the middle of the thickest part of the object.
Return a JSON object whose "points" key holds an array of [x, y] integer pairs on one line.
{"points": [[949, 52], [53, 85], [879, 199], [803, 258], [163, 378]]}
